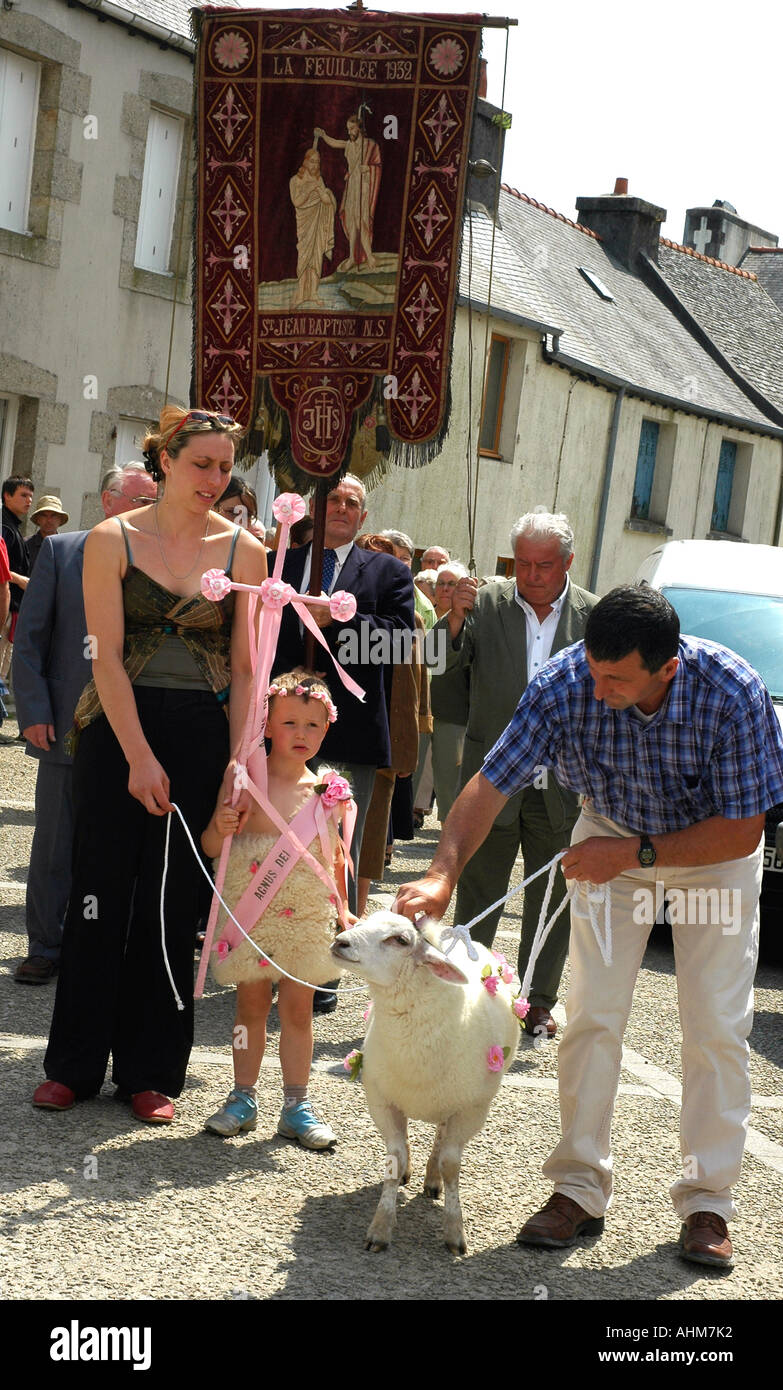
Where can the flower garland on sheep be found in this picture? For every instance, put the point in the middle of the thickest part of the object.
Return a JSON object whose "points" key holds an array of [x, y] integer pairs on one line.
{"points": [[491, 978]]}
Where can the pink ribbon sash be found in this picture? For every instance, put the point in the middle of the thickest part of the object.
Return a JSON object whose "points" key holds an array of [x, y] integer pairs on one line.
{"points": [[281, 859], [263, 637]]}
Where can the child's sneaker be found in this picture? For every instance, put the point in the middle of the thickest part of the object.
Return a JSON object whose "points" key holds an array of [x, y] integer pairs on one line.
{"points": [[300, 1122], [240, 1112]]}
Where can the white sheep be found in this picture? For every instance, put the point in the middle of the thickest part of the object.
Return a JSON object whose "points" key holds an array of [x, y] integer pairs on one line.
{"points": [[434, 1030]]}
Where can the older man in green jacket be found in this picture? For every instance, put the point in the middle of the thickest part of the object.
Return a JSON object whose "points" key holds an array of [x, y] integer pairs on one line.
{"points": [[503, 634]]}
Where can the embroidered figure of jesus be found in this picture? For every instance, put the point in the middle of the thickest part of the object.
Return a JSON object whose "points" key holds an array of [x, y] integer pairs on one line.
{"points": [[315, 207]]}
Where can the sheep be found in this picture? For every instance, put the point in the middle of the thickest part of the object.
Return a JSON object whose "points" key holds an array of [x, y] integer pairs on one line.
{"points": [[432, 1035]]}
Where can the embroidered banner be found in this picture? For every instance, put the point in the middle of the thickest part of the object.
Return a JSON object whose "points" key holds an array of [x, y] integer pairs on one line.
{"points": [[332, 158]]}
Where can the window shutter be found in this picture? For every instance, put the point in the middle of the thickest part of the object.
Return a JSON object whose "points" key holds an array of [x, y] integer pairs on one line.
{"points": [[645, 470], [492, 413], [158, 192], [18, 112], [723, 485]]}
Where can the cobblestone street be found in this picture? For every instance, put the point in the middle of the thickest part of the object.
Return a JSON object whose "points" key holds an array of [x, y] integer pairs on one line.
{"points": [[99, 1206]]}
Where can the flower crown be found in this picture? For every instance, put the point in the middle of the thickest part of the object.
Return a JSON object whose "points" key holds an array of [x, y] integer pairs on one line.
{"points": [[331, 711]]}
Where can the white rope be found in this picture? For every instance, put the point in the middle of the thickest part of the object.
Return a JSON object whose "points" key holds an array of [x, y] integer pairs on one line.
{"points": [[596, 896], [323, 989], [180, 1004], [455, 934]]}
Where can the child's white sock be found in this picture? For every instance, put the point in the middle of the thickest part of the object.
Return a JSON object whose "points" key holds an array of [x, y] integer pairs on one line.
{"points": [[293, 1095]]}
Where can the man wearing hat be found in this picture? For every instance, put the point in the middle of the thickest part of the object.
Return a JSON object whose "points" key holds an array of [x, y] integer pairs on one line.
{"points": [[48, 517]]}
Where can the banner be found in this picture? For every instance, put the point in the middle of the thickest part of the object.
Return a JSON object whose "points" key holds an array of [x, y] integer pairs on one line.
{"points": [[332, 157]]}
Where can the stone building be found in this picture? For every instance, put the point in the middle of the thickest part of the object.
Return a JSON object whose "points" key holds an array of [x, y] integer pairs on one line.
{"points": [[95, 218], [631, 382]]}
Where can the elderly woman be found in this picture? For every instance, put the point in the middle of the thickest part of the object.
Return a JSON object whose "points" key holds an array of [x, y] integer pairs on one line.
{"points": [[152, 730], [449, 699]]}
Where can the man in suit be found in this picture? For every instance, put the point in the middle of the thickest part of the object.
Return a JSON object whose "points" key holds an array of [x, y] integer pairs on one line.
{"points": [[503, 634], [51, 666], [358, 742]]}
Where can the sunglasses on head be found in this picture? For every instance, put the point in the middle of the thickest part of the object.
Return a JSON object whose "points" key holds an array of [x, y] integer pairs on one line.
{"points": [[201, 416]]}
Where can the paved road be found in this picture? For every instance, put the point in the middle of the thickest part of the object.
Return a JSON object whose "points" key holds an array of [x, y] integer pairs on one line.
{"points": [[98, 1206]]}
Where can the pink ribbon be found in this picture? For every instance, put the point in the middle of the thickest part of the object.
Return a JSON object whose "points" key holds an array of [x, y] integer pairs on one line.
{"points": [[263, 636], [272, 873]]}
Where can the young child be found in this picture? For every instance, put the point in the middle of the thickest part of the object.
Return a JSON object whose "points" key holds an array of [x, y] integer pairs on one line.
{"points": [[297, 924]]}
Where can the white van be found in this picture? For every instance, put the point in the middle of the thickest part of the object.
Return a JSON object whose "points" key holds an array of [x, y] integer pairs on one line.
{"points": [[732, 593]]}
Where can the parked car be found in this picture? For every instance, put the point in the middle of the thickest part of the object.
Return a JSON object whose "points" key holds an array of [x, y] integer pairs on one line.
{"points": [[732, 593]]}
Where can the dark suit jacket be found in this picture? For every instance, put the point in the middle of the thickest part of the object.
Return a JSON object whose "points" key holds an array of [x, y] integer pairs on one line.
{"points": [[383, 588], [493, 645], [49, 668]]}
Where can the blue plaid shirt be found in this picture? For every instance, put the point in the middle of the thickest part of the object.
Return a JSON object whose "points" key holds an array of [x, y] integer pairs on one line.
{"points": [[714, 748]]}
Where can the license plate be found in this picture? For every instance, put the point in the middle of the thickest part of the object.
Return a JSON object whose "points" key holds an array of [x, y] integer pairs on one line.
{"points": [[771, 860]]}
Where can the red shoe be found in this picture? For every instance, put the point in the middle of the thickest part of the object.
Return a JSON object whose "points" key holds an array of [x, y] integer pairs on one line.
{"points": [[152, 1107], [51, 1095]]}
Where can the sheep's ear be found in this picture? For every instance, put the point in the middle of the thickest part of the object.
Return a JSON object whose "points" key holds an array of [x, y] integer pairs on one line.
{"points": [[439, 964]]}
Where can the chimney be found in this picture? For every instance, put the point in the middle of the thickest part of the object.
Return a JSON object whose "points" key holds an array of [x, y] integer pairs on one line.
{"points": [[487, 143], [625, 225], [719, 231]]}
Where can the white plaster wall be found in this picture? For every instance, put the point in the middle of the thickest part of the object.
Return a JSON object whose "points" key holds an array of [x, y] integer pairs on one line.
{"points": [[561, 438], [75, 320]]}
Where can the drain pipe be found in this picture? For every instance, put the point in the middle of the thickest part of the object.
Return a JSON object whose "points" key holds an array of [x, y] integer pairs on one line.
{"points": [[608, 466]]}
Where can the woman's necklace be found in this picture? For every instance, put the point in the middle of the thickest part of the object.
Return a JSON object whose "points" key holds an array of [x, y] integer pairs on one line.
{"points": [[172, 572]]}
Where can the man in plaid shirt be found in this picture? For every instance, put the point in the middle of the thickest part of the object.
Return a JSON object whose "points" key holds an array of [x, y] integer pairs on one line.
{"points": [[677, 750]]}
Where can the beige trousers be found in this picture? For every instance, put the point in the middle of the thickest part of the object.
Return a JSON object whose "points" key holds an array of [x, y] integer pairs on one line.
{"points": [[715, 931]]}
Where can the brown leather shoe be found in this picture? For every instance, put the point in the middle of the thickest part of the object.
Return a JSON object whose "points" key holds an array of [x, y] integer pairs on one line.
{"points": [[538, 1019], [704, 1240], [35, 970], [558, 1224]]}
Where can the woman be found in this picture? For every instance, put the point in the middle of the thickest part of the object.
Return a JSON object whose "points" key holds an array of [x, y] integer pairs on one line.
{"points": [[391, 807], [152, 730], [238, 503], [449, 698]]}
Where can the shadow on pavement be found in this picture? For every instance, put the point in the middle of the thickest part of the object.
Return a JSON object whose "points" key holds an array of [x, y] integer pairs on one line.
{"points": [[329, 1254]]}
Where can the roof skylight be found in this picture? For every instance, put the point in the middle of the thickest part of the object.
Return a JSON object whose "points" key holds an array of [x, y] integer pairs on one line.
{"points": [[598, 285]]}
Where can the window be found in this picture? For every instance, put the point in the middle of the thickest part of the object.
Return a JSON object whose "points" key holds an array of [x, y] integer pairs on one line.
{"points": [[129, 436], [494, 392], [8, 412], [598, 285], [731, 488], [653, 473], [645, 470], [159, 192], [18, 113]]}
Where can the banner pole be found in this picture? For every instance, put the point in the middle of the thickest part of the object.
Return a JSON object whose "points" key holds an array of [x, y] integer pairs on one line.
{"points": [[322, 488]]}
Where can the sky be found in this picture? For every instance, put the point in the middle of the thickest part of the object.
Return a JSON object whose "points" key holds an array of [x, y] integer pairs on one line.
{"points": [[682, 101]]}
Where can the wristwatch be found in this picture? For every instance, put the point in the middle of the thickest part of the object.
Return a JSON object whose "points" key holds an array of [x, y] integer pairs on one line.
{"points": [[646, 852]]}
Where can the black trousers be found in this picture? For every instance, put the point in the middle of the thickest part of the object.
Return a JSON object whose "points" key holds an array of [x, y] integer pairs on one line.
{"points": [[113, 992]]}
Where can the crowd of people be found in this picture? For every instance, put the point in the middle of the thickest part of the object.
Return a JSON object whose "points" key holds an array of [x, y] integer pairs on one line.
{"points": [[558, 724]]}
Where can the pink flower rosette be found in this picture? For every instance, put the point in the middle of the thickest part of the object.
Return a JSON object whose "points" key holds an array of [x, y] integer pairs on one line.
{"points": [[342, 605], [336, 790], [496, 1058], [275, 593], [215, 585], [288, 508]]}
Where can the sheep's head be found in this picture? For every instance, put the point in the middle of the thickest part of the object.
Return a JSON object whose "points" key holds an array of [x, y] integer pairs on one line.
{"points": [[378, 949]]}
